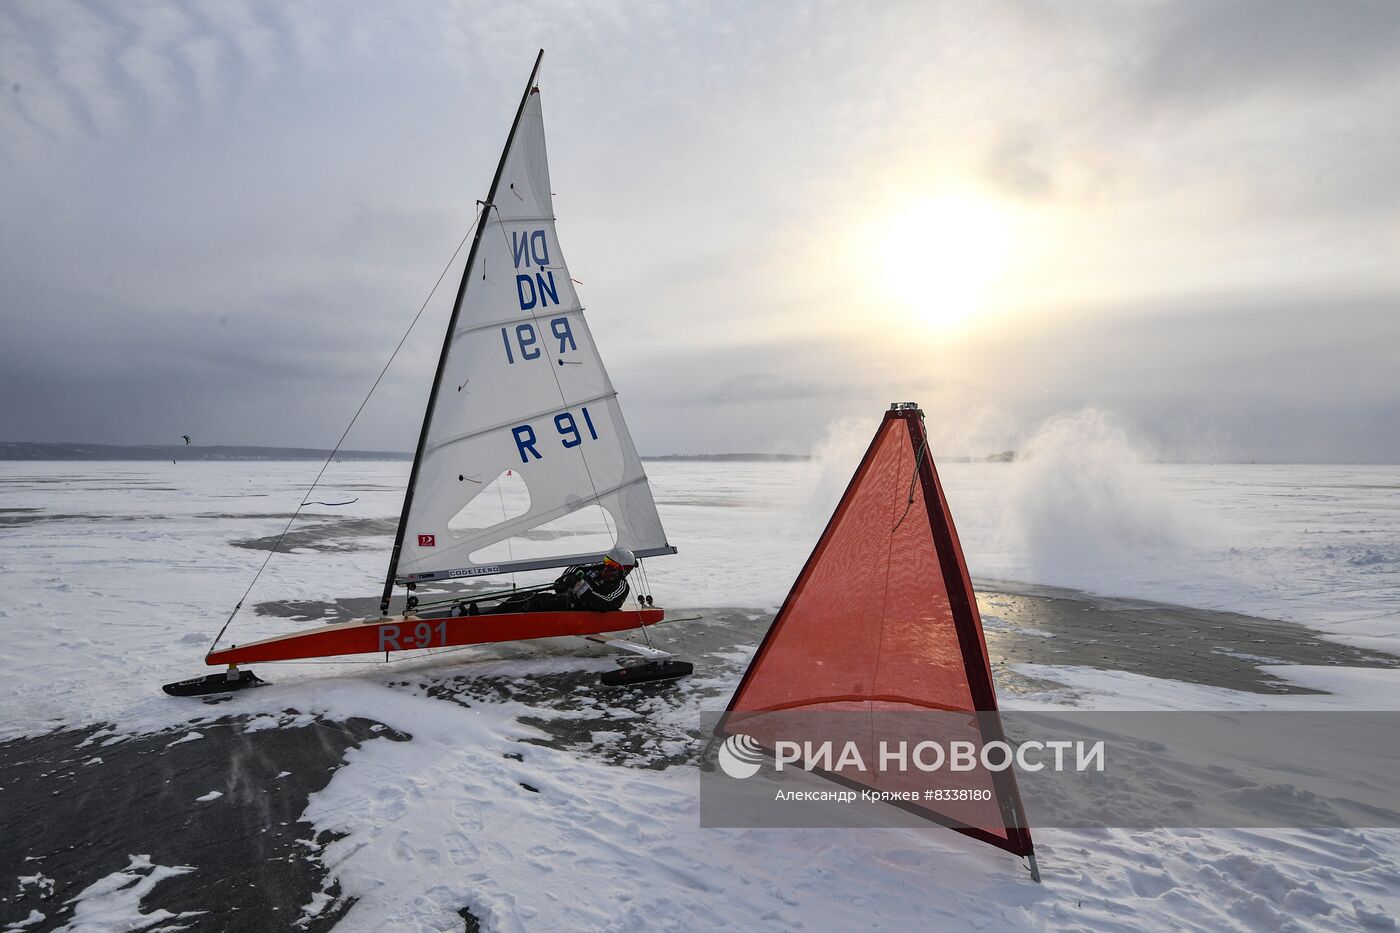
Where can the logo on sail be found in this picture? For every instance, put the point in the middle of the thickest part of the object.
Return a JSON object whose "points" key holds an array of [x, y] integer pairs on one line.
{"points": [[427, 540], [740, 756]]}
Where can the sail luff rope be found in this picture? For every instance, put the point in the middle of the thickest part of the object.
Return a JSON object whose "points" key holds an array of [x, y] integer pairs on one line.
{"points": [[344, 434]]}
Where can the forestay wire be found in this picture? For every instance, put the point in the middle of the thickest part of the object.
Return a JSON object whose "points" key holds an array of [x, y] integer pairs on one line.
{"points": [[346, 433]]}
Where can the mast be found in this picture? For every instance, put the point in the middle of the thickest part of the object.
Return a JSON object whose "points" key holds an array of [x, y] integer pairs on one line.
{"points": [[447, 341]]}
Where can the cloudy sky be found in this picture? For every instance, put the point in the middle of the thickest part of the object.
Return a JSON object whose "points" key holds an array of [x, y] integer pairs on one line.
{"points": [[218, 218]]}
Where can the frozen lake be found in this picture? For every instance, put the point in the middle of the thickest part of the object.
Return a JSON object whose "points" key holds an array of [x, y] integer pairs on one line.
{"points": [[120, 573]]}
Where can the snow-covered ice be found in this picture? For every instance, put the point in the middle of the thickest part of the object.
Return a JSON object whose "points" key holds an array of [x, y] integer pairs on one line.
{"points": [[114, 902], [119, 573]]}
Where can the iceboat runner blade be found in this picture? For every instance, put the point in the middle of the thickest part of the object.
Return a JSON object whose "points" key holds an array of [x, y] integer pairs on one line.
{"points": [[227, 682], [657, 665], [647, 672]]}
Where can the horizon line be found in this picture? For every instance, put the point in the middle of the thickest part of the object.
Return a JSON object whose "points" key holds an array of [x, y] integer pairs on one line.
{"points": [[310, 453]]}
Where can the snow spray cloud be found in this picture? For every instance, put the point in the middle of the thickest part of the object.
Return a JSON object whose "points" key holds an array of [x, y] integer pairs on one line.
{"points": [[835, 458], [977, 434], [1086, 507]]}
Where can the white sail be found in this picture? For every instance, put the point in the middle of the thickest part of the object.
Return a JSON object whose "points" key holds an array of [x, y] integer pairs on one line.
{"points": [[524, 390]]}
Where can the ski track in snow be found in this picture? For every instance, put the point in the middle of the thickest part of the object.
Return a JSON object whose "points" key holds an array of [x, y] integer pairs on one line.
{"points": [[126, 594]]}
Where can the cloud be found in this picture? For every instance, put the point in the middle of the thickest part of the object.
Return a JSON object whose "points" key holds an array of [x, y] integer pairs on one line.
{"points": [[1206, 54], [1020, 165], [89, 70], [1200, 187], [1220, 377]]}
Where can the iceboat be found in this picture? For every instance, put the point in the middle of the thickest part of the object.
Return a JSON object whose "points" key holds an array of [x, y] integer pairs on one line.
{"points": [[521, 410]]}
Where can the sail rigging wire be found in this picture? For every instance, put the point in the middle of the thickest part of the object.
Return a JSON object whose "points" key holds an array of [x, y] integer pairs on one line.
{"points": [[641, 604], [918, 461], [344, 434], [510, 549]]}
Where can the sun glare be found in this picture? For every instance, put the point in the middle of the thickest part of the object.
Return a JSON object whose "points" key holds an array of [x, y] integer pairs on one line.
{"points": [[940, 255]]}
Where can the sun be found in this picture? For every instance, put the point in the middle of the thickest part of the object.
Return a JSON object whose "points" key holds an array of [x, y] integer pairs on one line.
{"points": [[940, 255]]}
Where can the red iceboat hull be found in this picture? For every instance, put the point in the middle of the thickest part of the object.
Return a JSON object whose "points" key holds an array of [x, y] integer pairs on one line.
{"points": [[375, 636]]}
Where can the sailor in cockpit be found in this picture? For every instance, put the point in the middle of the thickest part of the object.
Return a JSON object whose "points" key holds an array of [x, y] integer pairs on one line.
{"points": [[600, 587]]}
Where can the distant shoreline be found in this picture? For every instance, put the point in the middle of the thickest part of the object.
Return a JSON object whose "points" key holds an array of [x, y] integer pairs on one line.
{"points": [[11, 450], [24, 450], [32, 451]]}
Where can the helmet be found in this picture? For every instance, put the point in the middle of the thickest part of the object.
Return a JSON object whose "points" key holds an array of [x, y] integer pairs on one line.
{"points": [[621, 556]]}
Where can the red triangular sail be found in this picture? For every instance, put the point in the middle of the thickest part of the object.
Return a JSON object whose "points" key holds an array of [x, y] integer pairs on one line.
{"points": [[883, 618]]}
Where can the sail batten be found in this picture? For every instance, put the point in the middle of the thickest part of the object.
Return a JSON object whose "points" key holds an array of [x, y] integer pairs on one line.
{"points": [[448, 441], [520, 566], [475, 326], [521, 387], [524, 220]]}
